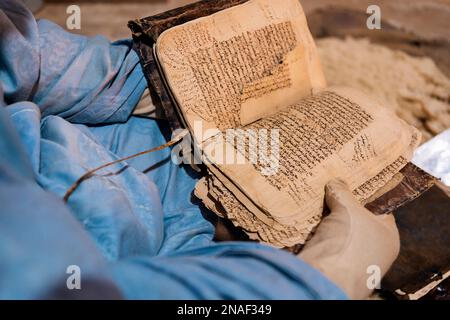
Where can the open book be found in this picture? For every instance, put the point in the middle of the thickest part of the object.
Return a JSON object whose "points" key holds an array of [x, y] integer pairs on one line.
{"points": [[244, 77]]}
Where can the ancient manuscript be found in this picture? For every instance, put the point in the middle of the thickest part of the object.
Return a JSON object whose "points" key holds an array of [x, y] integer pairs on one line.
{"points": [[248, 83]]}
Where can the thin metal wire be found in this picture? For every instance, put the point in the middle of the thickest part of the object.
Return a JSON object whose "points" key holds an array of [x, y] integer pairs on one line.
{"points": [[91, 172]]}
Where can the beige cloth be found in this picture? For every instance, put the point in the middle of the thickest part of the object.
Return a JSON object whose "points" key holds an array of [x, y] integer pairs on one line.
{"points": [[351, 240], [145, 107]]}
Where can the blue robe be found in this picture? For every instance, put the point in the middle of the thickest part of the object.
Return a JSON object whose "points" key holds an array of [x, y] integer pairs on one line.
{"points": [[65, 107]]}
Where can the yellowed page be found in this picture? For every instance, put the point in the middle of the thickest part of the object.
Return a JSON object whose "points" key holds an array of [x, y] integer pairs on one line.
{"points": [[241, 64], [336, 133], [229, 202]]}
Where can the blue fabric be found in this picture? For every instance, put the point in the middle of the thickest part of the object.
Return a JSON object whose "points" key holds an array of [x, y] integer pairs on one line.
{"points": [[66, 102]]}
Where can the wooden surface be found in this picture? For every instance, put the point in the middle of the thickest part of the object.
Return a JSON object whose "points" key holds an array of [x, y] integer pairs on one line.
{"points": [[428, 19]]}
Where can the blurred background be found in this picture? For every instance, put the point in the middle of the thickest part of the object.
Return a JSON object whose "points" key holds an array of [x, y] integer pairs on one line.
{"points": [[427, 18]]}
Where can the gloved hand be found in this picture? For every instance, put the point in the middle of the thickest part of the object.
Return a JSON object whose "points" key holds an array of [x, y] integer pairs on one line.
{"points": [[352, 242]]}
